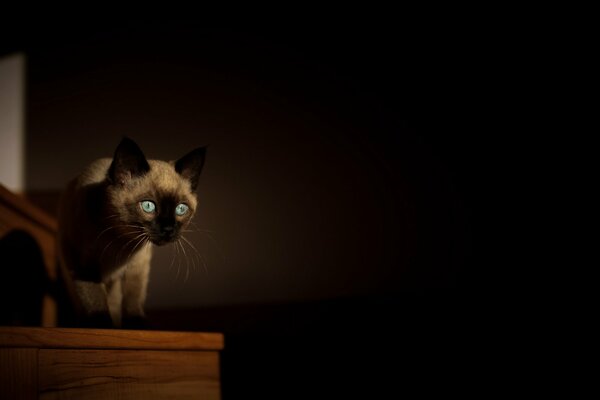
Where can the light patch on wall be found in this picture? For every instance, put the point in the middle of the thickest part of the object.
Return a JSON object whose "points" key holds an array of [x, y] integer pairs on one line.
{"points": [[12, 129]]}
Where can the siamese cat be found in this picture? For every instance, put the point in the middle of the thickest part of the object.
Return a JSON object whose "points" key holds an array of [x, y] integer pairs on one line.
{"points": [[109, 218]]}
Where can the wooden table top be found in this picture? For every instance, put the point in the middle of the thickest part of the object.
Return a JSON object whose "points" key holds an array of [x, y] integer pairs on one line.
{"points": [[80, 338]]}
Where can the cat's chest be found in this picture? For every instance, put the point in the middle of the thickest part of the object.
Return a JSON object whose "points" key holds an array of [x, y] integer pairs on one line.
{"points": [[136, 263]]}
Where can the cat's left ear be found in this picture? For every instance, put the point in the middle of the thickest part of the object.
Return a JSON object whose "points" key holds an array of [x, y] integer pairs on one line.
{"points": [[128, 162], [190, 166]]}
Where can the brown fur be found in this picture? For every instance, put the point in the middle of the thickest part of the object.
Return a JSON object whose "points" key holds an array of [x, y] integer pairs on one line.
{"points": [[105, 237]]}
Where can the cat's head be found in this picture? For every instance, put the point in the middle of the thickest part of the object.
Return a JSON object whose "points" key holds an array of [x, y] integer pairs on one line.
{"points": [[156, 197]]}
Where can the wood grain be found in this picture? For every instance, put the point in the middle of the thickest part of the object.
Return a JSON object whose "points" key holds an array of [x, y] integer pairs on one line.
{"points": [[128, 374], [18, 373], [75, 338]]}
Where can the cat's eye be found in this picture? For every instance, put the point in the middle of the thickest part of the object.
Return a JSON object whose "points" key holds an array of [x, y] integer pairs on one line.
{"points": [[181, 209], [148, 206]]}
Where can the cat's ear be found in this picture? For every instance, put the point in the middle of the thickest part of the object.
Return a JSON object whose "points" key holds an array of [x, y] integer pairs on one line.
{"points": [[128, 162], [190, 166]]}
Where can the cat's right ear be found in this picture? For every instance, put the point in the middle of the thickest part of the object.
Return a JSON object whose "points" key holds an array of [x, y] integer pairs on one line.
{"points": [[190, 166], [128, 162]]}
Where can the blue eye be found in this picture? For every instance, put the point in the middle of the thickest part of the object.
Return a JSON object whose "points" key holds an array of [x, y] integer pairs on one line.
{"points": [[181, 209], [148, 206]]}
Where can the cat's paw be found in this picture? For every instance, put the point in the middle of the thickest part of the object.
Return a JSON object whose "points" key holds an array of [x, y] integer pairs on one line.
{"points": [[135, 322]]}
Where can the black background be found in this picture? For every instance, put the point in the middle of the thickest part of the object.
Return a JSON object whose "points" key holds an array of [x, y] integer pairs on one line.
{"points": [[441, 94]]}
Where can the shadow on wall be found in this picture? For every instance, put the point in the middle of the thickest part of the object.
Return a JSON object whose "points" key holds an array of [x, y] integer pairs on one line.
{"points": [[314, 186]]}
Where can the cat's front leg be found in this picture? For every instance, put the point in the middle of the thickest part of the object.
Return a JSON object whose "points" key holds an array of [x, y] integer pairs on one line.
{"points": [[135, 284], [114, 299], [94, 311]]}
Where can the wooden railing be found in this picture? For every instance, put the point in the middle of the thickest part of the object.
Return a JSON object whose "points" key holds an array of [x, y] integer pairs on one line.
{"points": [[18, 213]]}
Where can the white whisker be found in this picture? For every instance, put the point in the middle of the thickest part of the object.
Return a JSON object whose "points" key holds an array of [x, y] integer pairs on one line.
{"points": [[140, 235], [144, 239], [187, 262], [121, 234], [177, 244], [201, 229], [200, 258], [208, 234], [173, 258], [115, 227]]}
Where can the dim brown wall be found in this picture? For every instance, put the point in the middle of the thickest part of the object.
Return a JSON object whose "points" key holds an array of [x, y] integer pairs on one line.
{"points": [[306, 193]]}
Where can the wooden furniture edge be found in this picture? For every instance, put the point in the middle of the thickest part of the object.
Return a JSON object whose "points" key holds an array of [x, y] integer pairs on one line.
{"points": [[22, 214], [83, 338], [24, 207]]}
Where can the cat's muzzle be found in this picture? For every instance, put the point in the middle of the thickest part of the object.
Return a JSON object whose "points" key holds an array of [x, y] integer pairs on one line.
{"points": [[164, 236]]}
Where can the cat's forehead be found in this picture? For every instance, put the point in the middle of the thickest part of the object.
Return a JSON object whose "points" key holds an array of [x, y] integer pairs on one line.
{"points": [[164, 178], [159, 183]]}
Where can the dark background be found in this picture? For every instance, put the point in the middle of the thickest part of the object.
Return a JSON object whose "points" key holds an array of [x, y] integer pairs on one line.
{"points": [[370, 156]]}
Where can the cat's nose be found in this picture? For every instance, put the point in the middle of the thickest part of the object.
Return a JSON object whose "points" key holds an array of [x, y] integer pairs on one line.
{"points": [[167, 231]]}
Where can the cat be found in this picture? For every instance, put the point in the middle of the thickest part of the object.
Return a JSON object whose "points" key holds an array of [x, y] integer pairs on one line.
{"points": [[109, 218]]}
